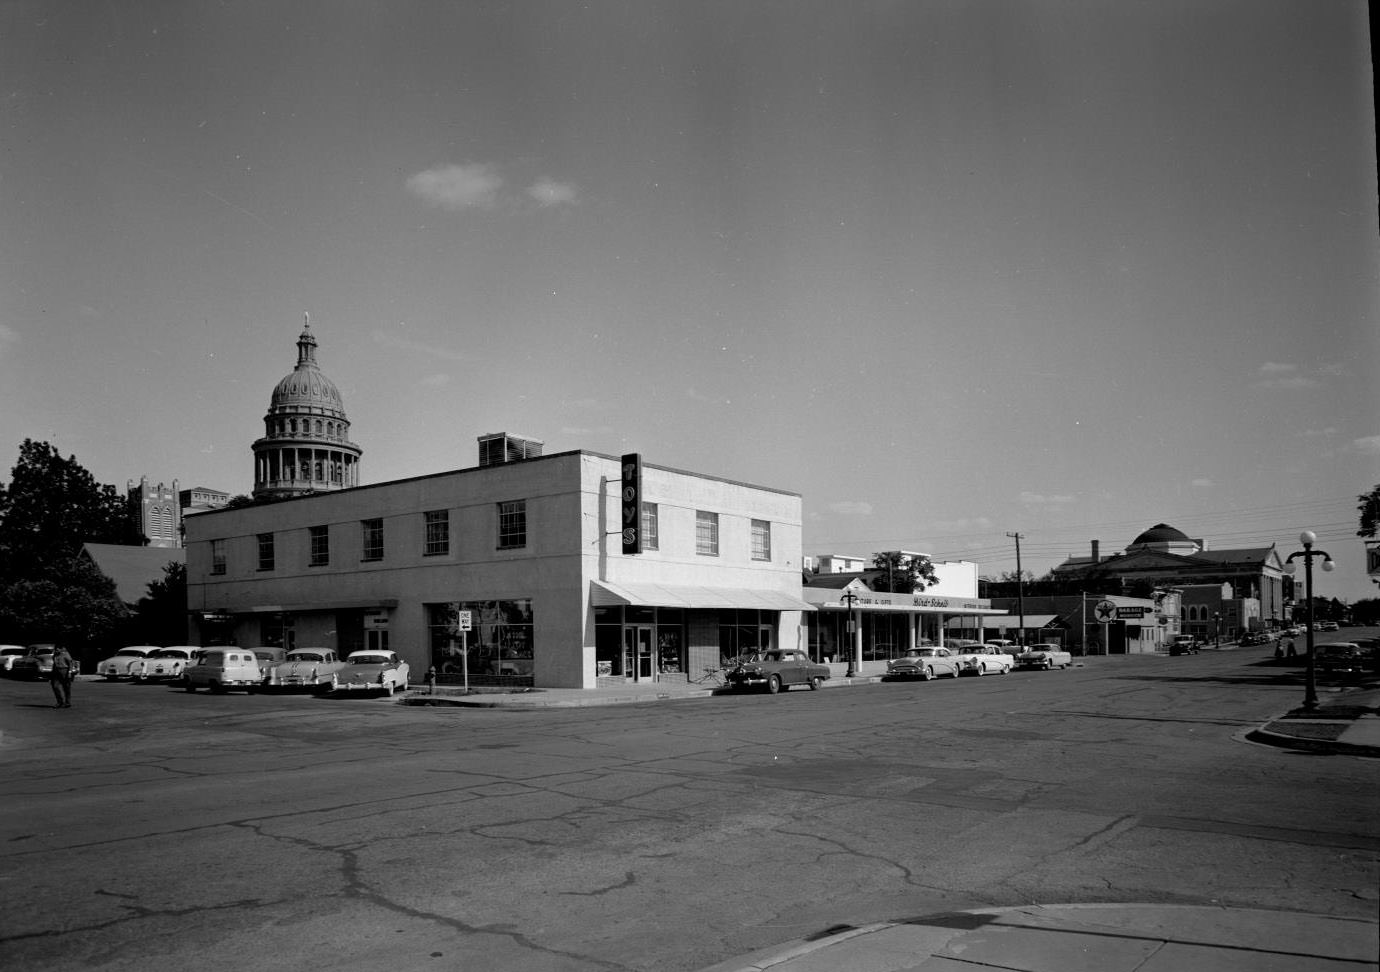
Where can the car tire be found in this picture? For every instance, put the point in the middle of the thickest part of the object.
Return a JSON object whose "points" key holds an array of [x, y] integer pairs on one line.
{"points": [[927, 674], [774, 685], [815, 683], [389, 689], [189, 687]]}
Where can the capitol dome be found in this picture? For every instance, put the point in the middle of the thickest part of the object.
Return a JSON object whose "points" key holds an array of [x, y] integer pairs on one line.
{"points": [[1165, 538], [306, 446]]}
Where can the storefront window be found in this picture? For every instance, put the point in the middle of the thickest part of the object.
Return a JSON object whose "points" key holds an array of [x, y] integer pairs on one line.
{"points": [[498, 644]]}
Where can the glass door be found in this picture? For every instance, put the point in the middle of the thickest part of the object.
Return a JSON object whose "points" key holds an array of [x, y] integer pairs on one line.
{"points": [[639, 656]]}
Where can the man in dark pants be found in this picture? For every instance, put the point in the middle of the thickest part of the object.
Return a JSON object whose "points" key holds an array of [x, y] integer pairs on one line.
{"points": [[60, 678]]}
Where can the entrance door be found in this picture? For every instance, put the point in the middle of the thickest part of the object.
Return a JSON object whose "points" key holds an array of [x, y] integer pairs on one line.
{"points": [[638, 642], [375, 640]]}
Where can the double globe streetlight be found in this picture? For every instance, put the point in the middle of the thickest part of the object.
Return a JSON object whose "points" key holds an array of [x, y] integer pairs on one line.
{"points": [[1308, 538]]}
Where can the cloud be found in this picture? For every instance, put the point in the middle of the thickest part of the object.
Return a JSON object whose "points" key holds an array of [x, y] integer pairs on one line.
{"points": [[1203, 483], [967, 524], [436, 381], [1368, 445], [549, 192], [393, 341], [851, 508], [1273, 374], [8, 337], [1040, 499], [457, 187]]}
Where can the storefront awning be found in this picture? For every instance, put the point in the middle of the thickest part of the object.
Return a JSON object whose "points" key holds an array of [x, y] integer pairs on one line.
{"points": [[1007, 623], [605, 594]]}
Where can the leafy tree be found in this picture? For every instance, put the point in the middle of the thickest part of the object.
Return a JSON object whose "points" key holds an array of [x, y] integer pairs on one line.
{"points": [[68, 601], [52, 506], [1369, 509], [901, 574], [162, 615]]}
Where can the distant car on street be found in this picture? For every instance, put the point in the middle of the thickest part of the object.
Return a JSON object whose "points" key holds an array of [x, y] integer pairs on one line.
{"points": [[776, 670], [1343, 658], [988, 659], [923, 663], [1183, 645], [1045, 655]]}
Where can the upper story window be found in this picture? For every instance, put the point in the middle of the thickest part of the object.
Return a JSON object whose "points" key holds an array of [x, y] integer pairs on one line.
{"points": [[371, 539], [217, 556], [649, 527], [320, 546], [706, 533], [437, 533], [512, 524], [761, 540], [265, 551]]}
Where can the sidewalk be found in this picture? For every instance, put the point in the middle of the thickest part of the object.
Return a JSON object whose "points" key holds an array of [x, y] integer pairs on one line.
{"points": [[1085, 938]]}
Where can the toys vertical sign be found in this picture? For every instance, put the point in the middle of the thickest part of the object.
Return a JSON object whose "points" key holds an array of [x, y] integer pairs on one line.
{"points": [[632, 503]]}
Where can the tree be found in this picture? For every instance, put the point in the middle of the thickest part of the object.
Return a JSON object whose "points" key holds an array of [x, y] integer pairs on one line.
{"points": [[162, 615], [1369, 509], [52, 506], [68, 601], [902, 574]]}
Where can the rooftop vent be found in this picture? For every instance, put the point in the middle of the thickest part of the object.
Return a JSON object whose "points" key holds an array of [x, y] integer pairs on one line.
{"points": [[496, 448]]}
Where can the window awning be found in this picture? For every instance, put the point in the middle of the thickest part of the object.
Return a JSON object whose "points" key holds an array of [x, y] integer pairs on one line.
{"points": [[606, 594], [1007, 623]]}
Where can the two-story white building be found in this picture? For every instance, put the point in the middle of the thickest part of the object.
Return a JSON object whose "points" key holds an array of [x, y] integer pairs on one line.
{"points": [[528, 551]]}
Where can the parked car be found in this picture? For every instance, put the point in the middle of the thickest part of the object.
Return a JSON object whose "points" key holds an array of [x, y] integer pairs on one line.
{"points": [[168, 664], [221, 669], [378, 671], [36, 662], [309, 668], [9, 654], [984, 659], [1342, 658], [1183, 645], [777, 670], [127, 662], [924, 664], [1045, 655], [1329, 626]]}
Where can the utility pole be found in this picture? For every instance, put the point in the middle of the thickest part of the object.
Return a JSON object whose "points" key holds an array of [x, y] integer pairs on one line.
{"points": [[1020, 587]]}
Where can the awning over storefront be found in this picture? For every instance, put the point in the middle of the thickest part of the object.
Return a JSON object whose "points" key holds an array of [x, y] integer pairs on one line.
{"points": [[832, 599], [605, 594], [315, 606], [1004, 623]]}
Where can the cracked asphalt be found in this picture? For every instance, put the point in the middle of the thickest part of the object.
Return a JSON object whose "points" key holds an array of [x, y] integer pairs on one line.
{"points": [[153, 830]]}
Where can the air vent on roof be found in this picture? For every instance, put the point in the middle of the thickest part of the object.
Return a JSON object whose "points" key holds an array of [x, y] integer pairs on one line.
{"points": [[497, 448]]}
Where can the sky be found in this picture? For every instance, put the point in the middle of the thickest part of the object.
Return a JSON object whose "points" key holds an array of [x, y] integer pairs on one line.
{"points": [[949, 270]]}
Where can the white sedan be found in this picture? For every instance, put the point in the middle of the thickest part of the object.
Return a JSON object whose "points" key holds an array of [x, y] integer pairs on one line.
{"points": [[984, 660], [1044, 655], [923, 663], [8, 654], [128, 662], [168, 664], [379, 671]]}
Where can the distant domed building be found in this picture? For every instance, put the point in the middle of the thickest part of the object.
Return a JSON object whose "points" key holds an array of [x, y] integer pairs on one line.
{"points": [[306, 446]]}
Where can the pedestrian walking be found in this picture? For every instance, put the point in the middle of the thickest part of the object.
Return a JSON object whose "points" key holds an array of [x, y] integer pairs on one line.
{"points": [[60, 678]]}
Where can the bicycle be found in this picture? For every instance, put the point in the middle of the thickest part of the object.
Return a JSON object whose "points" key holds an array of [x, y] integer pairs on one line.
{"points": [[712, 676]]}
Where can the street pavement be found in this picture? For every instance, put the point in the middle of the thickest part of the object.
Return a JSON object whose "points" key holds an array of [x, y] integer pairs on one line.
{"points": [[1062, 937]]}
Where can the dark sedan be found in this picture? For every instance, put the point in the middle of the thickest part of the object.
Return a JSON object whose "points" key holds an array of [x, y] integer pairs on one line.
{"points": [[777, 670]]}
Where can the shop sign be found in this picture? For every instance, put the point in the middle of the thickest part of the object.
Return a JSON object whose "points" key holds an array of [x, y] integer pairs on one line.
{"points": [[1132, 611], [632, 503], [376, 620]]}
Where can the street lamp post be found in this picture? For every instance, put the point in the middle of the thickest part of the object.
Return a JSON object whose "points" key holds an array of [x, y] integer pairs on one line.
{"points": [[1308, 538], [854, 647], [1217, 629]]}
